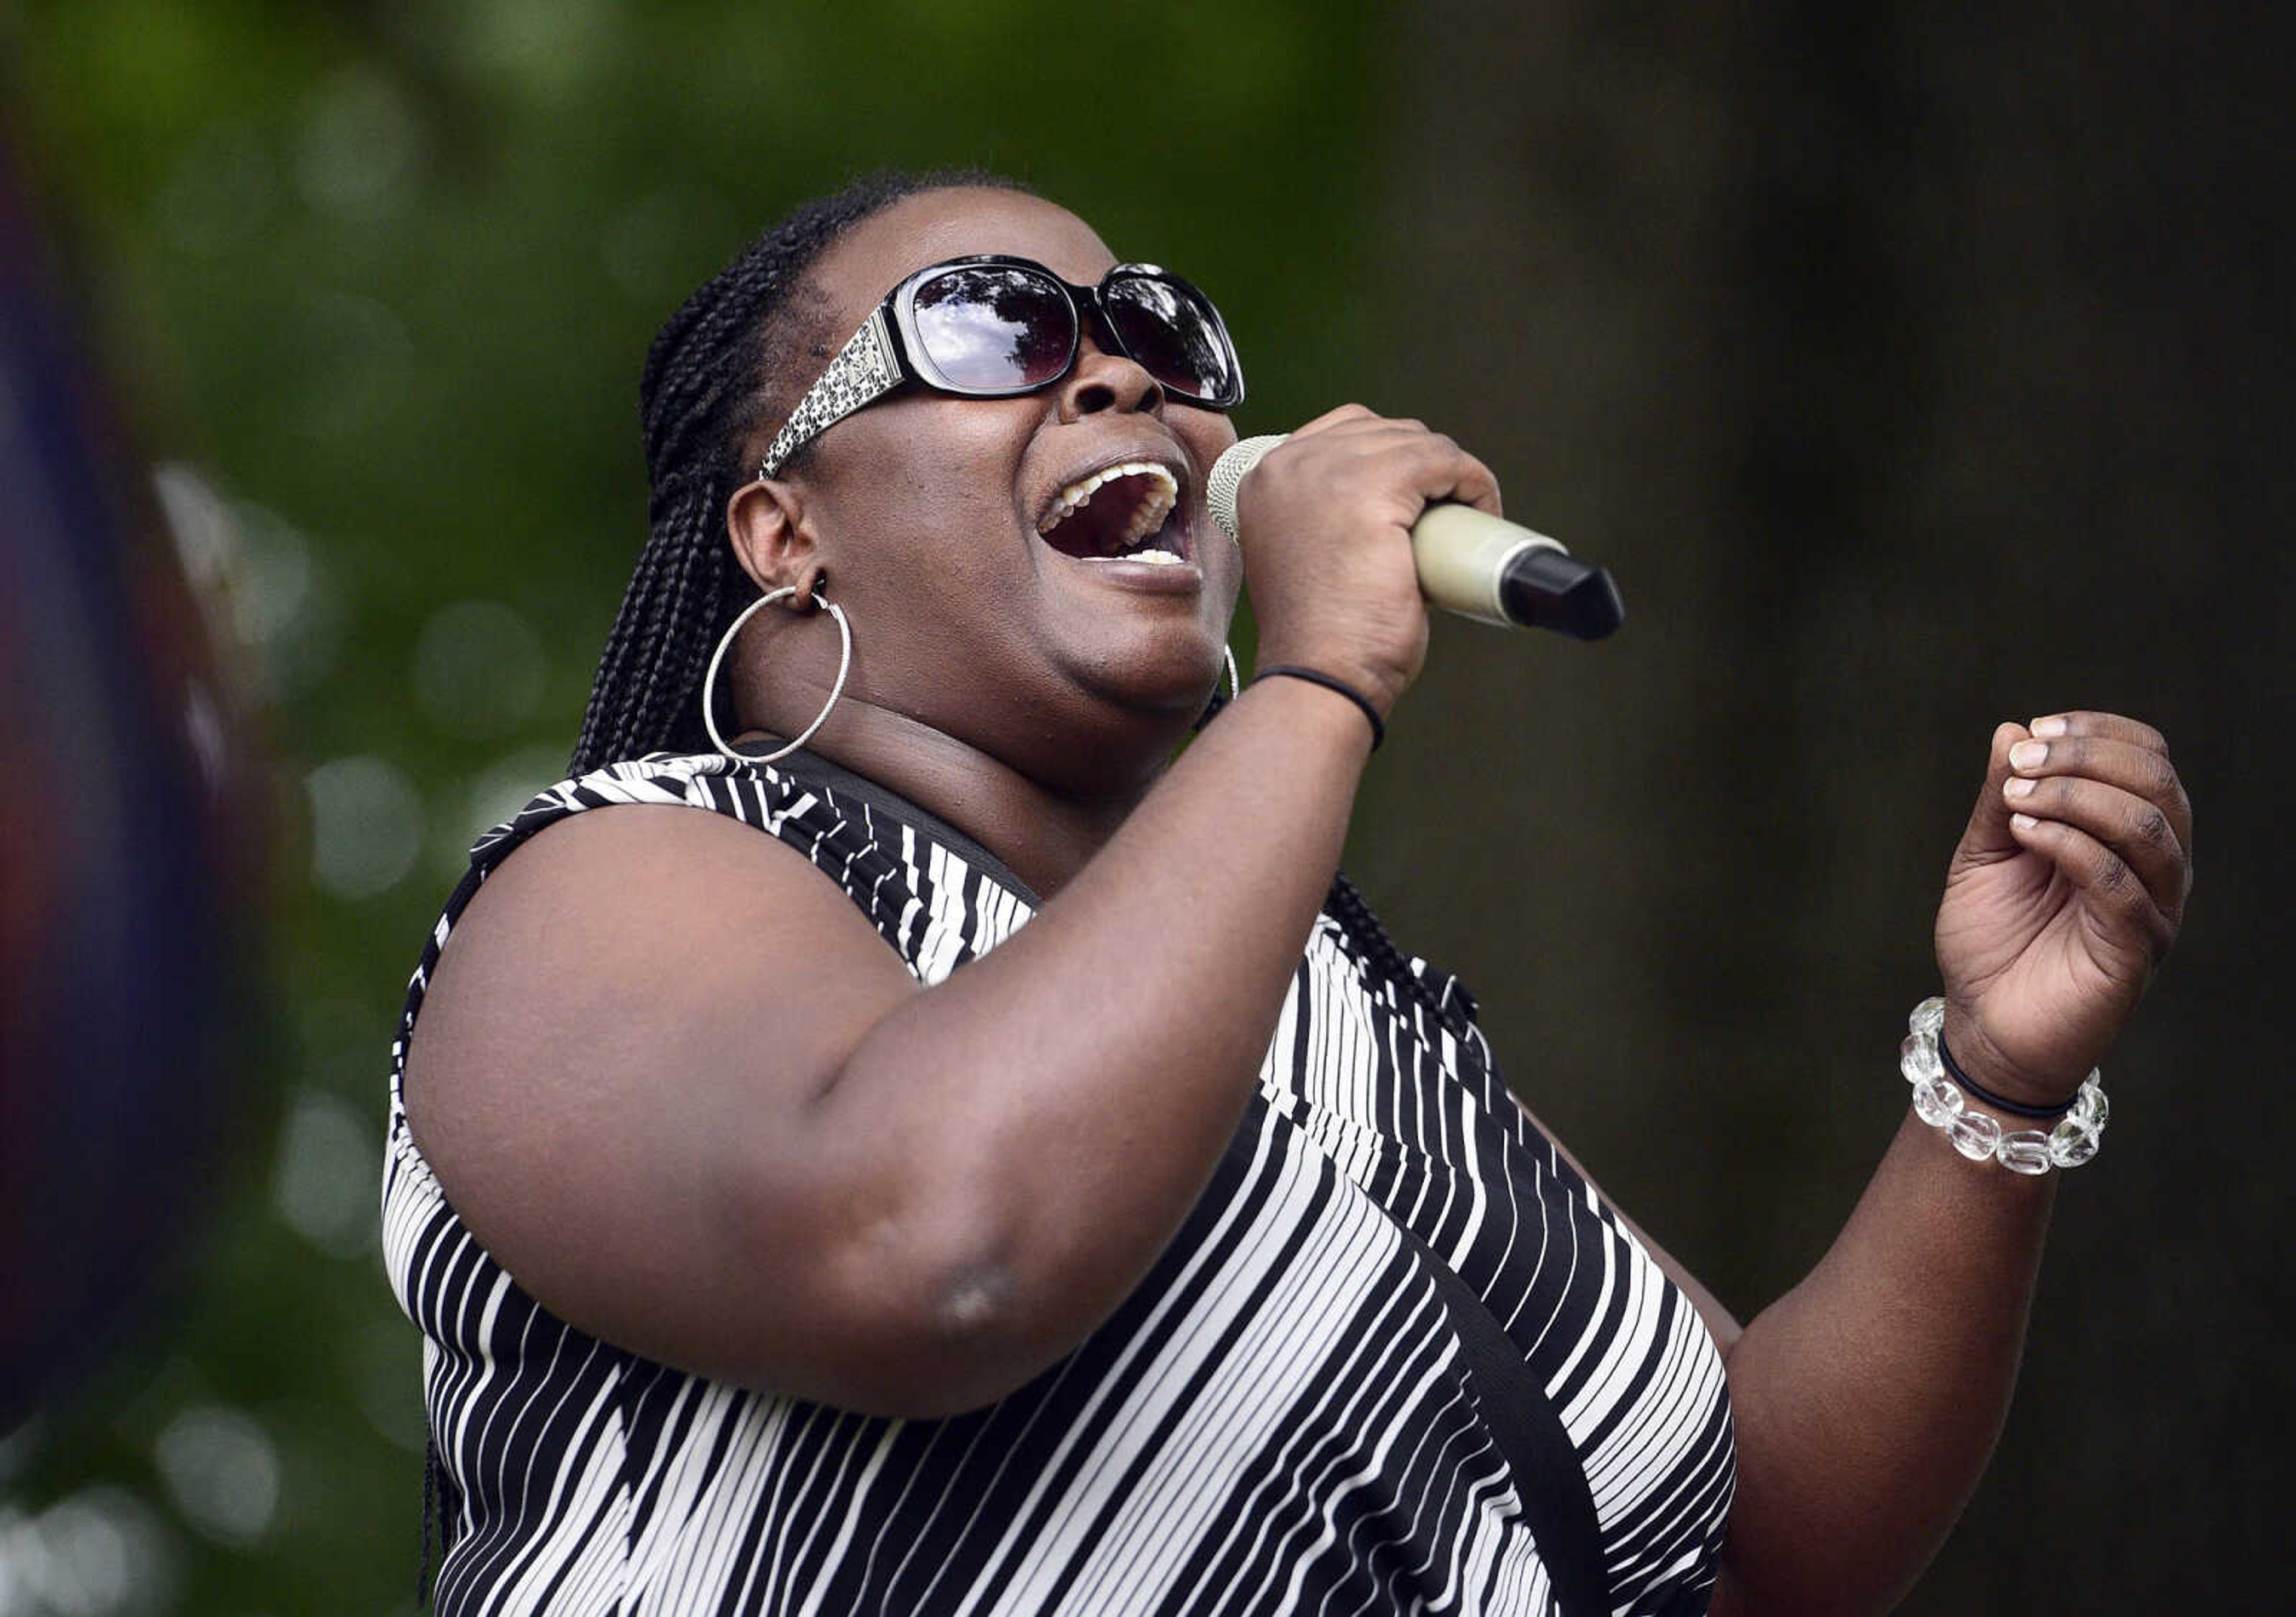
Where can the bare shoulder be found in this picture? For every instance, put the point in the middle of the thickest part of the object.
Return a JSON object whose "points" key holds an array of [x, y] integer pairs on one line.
{"points": [[635, 933], [613, 1064]]}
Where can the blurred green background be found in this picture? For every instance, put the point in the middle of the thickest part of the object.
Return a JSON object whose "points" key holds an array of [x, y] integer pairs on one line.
{"points": [[1911, 370]]}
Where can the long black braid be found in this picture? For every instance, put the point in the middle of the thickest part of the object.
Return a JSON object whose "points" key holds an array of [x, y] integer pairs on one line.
{"points": [[719, 369]]}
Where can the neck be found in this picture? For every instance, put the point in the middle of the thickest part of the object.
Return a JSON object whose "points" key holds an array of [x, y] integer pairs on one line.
{"points": [[1045, 833]]}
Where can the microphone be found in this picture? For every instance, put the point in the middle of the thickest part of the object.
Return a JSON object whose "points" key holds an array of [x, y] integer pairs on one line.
{"points": [[1478, 566]]}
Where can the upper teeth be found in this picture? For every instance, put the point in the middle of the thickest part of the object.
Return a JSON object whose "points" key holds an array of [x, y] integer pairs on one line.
{"points": [[1153, 508]]}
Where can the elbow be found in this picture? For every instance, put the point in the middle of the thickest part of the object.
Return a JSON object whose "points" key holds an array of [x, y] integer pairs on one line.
{"points": [[976, 1343], [926, 1323], [922, 1283]]}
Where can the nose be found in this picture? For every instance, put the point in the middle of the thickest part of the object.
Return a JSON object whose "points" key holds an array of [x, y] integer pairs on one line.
{"points": [[1103, 381]]}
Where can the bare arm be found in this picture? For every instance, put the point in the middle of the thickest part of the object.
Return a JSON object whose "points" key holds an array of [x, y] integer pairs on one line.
{"points": [[681, 1089], [1867, 1400]]}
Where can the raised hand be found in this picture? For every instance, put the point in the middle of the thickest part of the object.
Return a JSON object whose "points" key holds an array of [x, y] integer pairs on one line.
{"points": [[1326, 520], [2066, 892]]}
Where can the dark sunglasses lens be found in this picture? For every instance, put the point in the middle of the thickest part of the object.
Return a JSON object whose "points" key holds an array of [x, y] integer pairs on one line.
{"points": [[994, 327], [1173, 335]]}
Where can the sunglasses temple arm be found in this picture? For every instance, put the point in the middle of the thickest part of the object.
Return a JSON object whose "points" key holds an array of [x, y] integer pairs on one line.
{"points": [[865, 370]]}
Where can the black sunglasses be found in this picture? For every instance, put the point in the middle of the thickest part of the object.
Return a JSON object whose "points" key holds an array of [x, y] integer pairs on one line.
{"points": [[995, 327]]}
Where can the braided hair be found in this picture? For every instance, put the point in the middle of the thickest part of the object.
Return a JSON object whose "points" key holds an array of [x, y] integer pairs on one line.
{"points": [[725, 364], [720, 369]]}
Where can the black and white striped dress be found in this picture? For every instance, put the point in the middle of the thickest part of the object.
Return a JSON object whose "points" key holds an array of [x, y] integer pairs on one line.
{"points": [[1280, 1419]]}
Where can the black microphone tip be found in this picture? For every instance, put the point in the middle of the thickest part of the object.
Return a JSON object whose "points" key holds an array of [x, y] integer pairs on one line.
{"points": [[1550, 589]]}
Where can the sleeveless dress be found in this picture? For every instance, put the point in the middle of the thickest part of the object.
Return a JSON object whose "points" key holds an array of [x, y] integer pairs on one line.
{"points": [[1282, 1418]]}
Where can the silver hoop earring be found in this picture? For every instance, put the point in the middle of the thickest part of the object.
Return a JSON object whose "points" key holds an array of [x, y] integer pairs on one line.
{"points": [[844, 664], [1213, 707]]}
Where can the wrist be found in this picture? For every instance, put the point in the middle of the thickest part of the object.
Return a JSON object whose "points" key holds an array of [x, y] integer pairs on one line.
{"points": [[1379, 680], [1994, 1126], [1339, 687], [1982, 1065], [1336, 697]]}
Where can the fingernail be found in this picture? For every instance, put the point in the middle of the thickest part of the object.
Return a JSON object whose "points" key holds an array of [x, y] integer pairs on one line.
{"points": [[2054, 725], [2023, 822], [2028, 754], [2017, 787]]}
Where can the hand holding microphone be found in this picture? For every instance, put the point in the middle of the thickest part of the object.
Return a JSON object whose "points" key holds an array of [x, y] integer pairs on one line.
{"points": [[1354, 525], [1469, 562]]}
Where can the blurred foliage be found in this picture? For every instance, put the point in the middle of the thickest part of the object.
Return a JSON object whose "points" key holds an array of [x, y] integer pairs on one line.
{"points": [[379, 278]]}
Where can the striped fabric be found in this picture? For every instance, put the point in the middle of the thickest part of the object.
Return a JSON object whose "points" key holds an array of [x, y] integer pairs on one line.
{"points": [[1277, 1420]]}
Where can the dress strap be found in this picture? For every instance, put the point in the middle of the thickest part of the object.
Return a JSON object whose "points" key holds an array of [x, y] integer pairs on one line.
{"points": [[1549, 1477]]}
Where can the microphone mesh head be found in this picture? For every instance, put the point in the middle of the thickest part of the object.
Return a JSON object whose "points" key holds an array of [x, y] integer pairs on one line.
{"points": [[1228, 472]]}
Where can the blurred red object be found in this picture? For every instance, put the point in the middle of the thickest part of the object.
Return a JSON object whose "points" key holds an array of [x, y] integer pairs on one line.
{"points": [[131, 837]]}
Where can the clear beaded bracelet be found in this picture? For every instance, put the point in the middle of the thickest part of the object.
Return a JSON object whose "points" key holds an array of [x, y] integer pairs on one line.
{"points": [[1976, 1135]]}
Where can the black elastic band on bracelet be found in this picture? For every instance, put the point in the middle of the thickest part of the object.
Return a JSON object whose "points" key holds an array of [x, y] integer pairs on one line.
{"points": [[1999, 1103], [1316, 677]]}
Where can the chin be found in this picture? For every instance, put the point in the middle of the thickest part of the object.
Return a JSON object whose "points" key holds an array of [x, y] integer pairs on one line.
{"points": [[1177, 684]]}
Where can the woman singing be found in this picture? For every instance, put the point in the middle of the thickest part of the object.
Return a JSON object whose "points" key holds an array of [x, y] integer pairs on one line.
{"points": [[978, 1161]]}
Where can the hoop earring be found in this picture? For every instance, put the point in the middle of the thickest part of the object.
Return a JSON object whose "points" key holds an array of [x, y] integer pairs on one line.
{"points": [[844, 664], [1213, 708]]}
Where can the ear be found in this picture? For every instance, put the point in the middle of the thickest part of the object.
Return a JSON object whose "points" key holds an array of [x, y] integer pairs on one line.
{"points": [[775, 544]]}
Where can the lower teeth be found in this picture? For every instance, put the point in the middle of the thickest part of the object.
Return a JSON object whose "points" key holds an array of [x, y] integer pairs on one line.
{"points": [[1153, 557]]}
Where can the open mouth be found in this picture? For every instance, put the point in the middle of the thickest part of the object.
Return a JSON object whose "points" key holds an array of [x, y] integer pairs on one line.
{"points": [[1122, 512]]}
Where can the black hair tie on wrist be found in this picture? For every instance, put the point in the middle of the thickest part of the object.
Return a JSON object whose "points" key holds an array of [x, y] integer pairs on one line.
{"points": [[1999, 1103], [1318, 677]]}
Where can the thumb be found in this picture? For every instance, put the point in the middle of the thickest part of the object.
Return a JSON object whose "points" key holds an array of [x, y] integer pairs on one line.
{"points": [[1987, 838]]}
